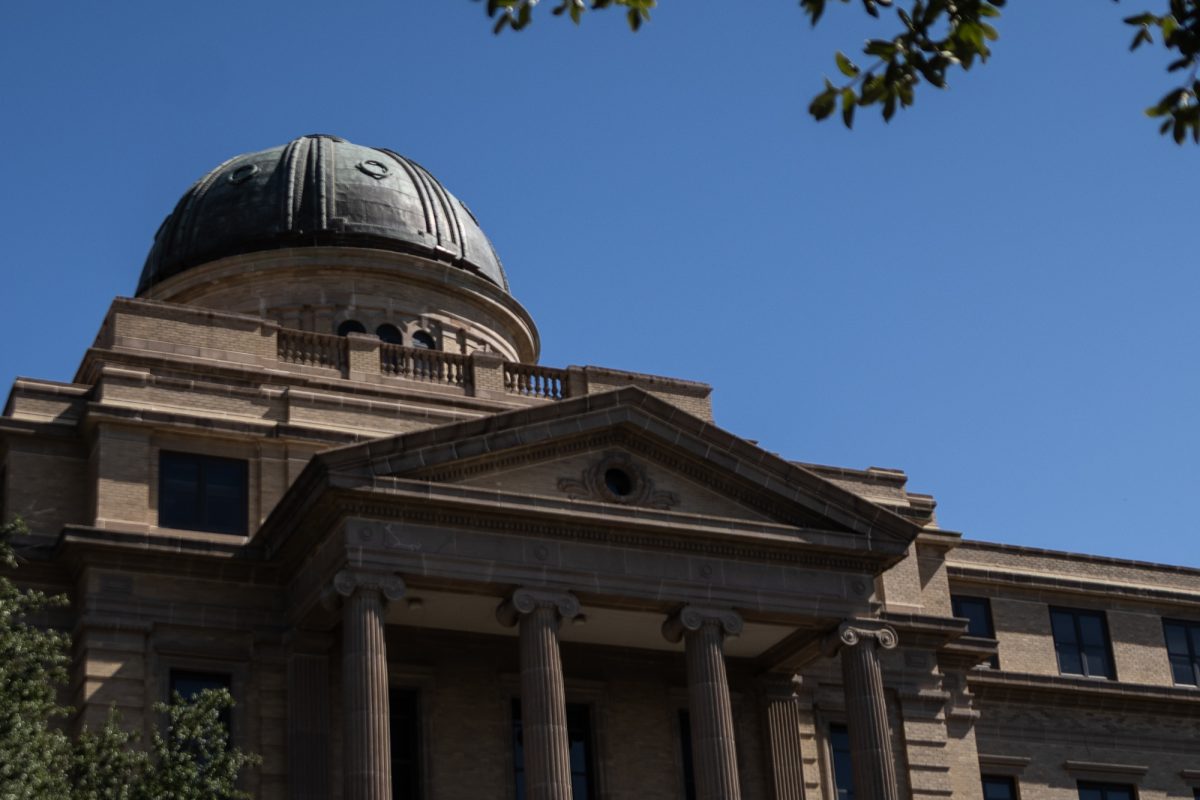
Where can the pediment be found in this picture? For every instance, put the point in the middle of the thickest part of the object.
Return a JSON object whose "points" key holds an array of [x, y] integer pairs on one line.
{"points": [[614, 468], [674, 463]]}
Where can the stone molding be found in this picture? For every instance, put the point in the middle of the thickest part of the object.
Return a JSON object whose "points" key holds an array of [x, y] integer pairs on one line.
{"points": [[346, 582], [853, 632], [526, 600], [781, 686], [693, 618]]}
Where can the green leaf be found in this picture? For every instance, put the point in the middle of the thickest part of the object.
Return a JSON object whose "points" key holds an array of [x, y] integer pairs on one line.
{"points": [[845, 65], [848, 101]]}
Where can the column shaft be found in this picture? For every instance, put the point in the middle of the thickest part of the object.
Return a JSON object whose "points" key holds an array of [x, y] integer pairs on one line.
{"points": [[783, 738], [544, 707], [867, 721], [714, 754], [308, 727], [367, 764]]}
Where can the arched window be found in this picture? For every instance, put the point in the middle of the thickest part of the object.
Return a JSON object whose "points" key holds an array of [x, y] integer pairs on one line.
{"points": [[389, 334], [424, 339], [350, 326]]}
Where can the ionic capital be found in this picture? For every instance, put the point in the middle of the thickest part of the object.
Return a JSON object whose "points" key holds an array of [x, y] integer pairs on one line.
{"points": [[854, 632], [693, 618], [348, 581], [526, 601]]}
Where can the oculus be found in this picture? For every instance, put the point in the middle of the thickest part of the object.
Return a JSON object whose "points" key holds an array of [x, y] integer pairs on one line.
{"points": [[615, 478]]}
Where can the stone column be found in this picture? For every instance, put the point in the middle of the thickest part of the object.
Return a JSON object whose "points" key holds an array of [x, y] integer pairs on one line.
{"points": [[783, 736], [308, 725], [714, 755], [367, 766], [543, 697], [866, 711]]}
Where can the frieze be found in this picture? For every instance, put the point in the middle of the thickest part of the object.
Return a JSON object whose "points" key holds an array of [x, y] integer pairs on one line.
{"points": [[796, 554]]}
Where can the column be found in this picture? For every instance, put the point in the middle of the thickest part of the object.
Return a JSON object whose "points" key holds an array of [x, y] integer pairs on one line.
{"points": [[543, 698], [783, 736], [703, 631], [866, 712], [308, 722], [367, 762]]}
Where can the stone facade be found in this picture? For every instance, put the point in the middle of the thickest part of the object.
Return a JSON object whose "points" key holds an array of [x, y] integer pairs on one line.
{"points": [[662, 609]]}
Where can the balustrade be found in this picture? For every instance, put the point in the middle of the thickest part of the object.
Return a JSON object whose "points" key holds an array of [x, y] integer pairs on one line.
{"points": [[419, 364], [529, 380], [312, 349]]}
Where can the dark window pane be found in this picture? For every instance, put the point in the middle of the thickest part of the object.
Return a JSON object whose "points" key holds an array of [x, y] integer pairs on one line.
{"points": [[843, 769], [389, 334], [999, 787], [350, 326], [1090, 793], [977, 611], [1183, 651], [1081, 643], [202, 493], [685, 746], [423, 339], [405, 724], [1106, 791]]}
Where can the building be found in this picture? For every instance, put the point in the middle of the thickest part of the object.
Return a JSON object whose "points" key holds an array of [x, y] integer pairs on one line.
{"points": [[315, 460]]}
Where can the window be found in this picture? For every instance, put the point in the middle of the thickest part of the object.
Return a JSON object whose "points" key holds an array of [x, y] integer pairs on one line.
{"points": [[977, 611], [187, 684], [1081, 643], [687, 759], [202, 493], [424, 339], [1183, 650], [404, 720], [579, 739], [389, 334], [843, 768], [350, 326], [999, 787], [1106, 791]]}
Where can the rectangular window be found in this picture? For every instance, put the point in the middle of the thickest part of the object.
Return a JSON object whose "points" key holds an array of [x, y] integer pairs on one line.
{"points": [[977, 611], [1081, 643], [188, 683], [202, 493], [1089, 790], [999, 787], [404, 721], [686, 756], [1183, 650], [579, 740], [843, 769]]}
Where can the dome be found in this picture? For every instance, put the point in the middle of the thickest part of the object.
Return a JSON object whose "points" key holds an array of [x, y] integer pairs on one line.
{"points": [[319, 190]]}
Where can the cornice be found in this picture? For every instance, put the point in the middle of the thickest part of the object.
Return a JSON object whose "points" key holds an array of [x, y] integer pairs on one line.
{"points": [[998, 686], [79, 546], [1062, 583]]}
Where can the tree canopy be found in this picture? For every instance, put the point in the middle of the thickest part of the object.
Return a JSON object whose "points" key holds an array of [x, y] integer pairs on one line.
{"points": [[935, 37], [189, 758]]}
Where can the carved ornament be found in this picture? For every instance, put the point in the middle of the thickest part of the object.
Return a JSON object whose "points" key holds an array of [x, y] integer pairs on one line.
{"points": [[593, 484], [693, 618], [526, 601], [347, 582], [858, 631]]}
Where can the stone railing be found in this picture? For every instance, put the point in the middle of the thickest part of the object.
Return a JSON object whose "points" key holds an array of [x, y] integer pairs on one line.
{"points": [[529, 380], [419, 364], [180, 331], [312, 349]]}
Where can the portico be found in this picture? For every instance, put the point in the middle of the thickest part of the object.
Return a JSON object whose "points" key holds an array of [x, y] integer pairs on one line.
{"points": [[415, 539]]}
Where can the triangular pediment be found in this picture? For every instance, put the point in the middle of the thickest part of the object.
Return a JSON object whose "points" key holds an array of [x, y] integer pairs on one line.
{"points": [[622, 449]]}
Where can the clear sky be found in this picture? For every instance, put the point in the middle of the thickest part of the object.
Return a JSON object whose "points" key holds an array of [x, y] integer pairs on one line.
{"points": [[996, 292]]}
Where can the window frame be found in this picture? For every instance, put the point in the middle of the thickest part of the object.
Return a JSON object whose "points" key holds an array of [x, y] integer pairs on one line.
{"points": [[200, 523], [1190, 627], [1104, 787], [1076, 614], [955, 602], [1011, 780]]}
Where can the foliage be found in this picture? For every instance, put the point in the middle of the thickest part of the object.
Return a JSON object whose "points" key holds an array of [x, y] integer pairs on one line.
{"points": [[936, 37], [191, 760]]}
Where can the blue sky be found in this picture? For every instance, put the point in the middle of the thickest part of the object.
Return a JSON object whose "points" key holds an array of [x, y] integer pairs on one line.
{"points": [[996, 292]]}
